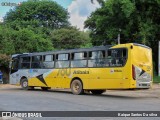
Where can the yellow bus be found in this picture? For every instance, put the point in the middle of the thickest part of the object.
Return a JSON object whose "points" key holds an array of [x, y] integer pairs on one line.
{"points": [[123, 66]]}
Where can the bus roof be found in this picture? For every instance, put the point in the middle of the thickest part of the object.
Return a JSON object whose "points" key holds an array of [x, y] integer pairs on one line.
{"points": [[129, 44], [136, 44], [64, 51], [79, 49]]}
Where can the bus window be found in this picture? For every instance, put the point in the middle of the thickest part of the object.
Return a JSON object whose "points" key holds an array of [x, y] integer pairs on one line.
{"points": [[62, 60], [25, 62], [36, 61], [79, 59], [36, 58], [15, 64], [117, 57], [48, 61], [96, 59], [79, 56]]}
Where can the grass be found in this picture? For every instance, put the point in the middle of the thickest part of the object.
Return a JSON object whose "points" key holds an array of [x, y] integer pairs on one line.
{"points": [[156, 79]]}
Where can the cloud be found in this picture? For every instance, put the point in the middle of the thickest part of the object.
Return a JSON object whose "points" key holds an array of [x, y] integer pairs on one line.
{"points": [[79, 11], [1, 19]]}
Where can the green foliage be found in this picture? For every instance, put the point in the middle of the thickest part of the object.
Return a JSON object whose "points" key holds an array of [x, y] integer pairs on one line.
{"points": [[67, 38], [106, 21], [86, 37], [27, 41], [6, 40], [4, 60], [101, 2], [139, 21], [156, 79], [27, 28], [24, 40], [38, 13]]}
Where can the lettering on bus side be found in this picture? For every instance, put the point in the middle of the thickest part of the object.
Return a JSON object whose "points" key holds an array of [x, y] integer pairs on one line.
{"points": [[64, 72], [112, 71], [81, 72], [117, 70]]}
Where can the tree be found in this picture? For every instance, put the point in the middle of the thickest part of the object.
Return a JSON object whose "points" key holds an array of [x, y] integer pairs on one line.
{"points": [[139, 21], [24, 40], [106, 21], [27, 41], [38, 13], [101, 2], [6, 48], [67, 38], [6, 40], [27, 28]]}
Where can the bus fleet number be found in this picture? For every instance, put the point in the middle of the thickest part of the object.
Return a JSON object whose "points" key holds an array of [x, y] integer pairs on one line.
{"points": [[64, 72]]}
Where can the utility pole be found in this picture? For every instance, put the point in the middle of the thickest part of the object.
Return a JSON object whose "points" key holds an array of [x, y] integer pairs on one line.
{"points": [[119, 36]]}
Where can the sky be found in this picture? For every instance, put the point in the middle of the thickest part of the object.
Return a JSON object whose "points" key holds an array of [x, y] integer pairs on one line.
{"points": [[79, 10]]}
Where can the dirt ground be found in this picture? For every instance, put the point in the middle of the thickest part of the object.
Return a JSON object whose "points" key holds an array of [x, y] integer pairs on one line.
{"points": [[153, 92], [8, 86]]}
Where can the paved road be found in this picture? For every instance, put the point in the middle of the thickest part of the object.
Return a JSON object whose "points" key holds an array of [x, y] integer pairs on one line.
{"points": [[15, 99]]}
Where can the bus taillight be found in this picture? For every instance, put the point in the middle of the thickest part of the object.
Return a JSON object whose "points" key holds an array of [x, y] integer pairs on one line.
{"points": [[133, 72]]}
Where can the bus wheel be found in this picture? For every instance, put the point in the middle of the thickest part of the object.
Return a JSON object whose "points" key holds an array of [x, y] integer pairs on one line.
{"points": [[77, 87], [45, 88], [97, 92], [24, 84]]}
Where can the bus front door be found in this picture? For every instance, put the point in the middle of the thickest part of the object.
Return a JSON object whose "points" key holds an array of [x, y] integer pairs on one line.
{"points": [[14, 71]]}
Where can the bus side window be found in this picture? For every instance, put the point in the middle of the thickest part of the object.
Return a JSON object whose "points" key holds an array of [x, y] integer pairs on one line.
{"points": [[108, 60], [62, 60], [96, 58], [25, 62], [36, 62], [79, 59], [124, 56], [48, 61], [117, 57]]}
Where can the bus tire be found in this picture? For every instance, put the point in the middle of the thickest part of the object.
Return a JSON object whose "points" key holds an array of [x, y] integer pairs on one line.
{"points": [[24, 84], [97, 92], [77, 87], [45, 88]]}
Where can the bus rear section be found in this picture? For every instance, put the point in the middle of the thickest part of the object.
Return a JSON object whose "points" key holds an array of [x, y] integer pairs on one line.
{"points": [[141, 57]]}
